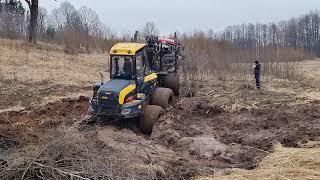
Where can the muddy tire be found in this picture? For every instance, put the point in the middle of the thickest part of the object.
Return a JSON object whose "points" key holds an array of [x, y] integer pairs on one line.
{"points": [[150, 116], [172, 82], [163, 97]]}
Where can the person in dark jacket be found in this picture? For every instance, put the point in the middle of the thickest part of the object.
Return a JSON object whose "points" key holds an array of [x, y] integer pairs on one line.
{"points": [[257, 73], [127, 66]]}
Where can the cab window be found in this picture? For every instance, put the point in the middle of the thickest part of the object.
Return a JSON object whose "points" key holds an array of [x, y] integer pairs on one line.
{"points": [[146, 62], [122, 67], [140, 65]]}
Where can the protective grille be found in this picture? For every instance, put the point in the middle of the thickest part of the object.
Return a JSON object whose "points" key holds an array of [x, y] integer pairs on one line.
{"points": [[108, 102]]}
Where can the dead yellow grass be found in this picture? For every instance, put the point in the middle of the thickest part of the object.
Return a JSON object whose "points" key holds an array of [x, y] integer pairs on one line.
{"points": [[37, 74], [311, 68], [283, 164], [49, 63]]}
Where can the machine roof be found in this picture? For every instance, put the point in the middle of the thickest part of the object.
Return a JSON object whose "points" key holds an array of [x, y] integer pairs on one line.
{"points": [[128, 49]]}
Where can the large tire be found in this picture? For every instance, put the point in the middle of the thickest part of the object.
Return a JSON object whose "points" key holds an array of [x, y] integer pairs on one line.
{"points": [[172, 81], [163, 97], [150, 116]]}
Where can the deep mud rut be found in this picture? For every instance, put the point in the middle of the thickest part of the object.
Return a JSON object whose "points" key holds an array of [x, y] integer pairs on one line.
{"points": [[197, 137], [212, 138], [27, 125]]}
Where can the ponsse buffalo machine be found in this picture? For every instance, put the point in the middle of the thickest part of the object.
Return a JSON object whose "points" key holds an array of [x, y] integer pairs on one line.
{"points": [[144, 80]]}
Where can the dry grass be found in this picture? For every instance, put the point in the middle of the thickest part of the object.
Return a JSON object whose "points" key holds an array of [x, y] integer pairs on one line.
{"points": [[207, 57], [284, 163], [311, 68], [69, 155], [38, 74], [49, 63]]}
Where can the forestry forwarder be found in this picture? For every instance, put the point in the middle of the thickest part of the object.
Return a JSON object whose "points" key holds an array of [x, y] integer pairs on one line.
{"points": [[136, 89]]}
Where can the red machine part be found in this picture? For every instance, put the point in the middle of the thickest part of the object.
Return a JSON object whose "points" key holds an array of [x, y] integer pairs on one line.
{"points": [[167, 41]]}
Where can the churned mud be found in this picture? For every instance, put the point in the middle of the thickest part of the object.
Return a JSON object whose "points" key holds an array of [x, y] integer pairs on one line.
{"points": [[201, 135]]}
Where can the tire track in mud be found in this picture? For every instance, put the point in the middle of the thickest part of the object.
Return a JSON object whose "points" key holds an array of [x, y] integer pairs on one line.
{"points": [[193, 139], [211, 138]]}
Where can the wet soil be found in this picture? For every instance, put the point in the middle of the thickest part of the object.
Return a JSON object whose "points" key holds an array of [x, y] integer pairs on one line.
{"points": [[199, 136], [27, 126]]}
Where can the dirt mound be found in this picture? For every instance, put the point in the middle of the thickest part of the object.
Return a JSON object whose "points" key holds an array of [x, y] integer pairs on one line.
{"points": [[238, 139], [288, 125], [284, 163], [203, 147], [63, 108], [204, 108], [24, 126]]}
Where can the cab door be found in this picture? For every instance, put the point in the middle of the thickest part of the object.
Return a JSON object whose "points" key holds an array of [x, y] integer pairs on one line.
{"points": [[140, 72], [145, 83]]}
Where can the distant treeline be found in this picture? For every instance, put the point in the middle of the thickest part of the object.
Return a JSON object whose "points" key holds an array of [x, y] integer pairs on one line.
{"points": [[77, 29], [278, 45], [301, 32], [13, 18], [80, 30]]}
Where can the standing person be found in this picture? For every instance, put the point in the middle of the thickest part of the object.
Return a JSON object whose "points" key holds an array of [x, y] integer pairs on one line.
{"points": [[257, 70]]}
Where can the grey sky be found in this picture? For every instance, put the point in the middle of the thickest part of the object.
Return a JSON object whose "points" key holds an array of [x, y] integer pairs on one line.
{"points": [[188, 15]]}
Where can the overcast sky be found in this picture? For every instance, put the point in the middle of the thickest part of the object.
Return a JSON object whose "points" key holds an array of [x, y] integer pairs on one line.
{"points": [[188, 15]]}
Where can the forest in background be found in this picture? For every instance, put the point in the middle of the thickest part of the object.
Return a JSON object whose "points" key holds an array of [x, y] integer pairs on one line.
{"points": [[277, 44]]}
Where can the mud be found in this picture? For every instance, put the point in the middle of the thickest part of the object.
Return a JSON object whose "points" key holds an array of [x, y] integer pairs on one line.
{"points": [[26, 126], [237, 139], [200, 136]]}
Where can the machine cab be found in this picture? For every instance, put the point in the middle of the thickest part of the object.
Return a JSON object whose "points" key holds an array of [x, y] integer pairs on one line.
{"points": [[128, 61], [131, 82]]}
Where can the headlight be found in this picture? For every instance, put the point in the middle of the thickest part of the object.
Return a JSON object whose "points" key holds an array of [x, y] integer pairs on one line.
{"points": [[125, 111]]}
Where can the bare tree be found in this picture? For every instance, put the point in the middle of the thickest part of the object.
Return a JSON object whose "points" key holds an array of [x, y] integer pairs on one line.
{"points": [[33, 6], [91, 23], [150, 29], [12, 19], [42, 20], [62, 16], [66, 20], [107, 32]]}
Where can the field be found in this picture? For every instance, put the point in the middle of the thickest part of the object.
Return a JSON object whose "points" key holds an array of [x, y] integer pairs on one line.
{"points": [[28, 74], [228, 130]]}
